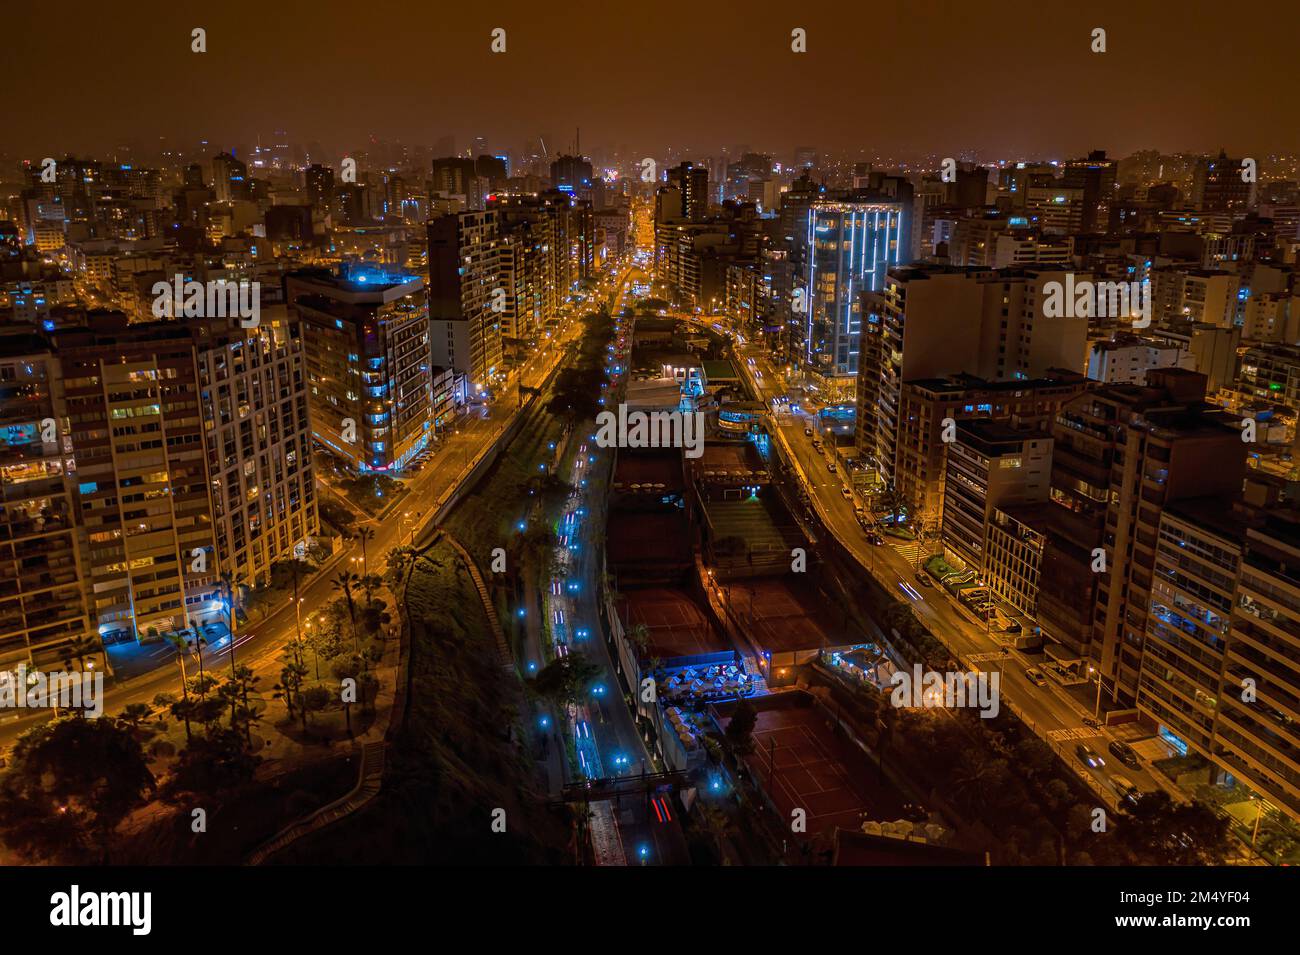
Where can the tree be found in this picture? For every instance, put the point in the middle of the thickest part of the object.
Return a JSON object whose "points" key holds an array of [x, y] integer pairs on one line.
{"points": [[347, 670], [564, 681], [1161, 832], [718, 825], [79, 648], [396, 563], [893, 501], [290, 686], [638, 635], [365, 535], [344, 583], [313, 700], [211, 765], [230, 582], [740, 730], [70, 783], [181, 643], [134, 716]]}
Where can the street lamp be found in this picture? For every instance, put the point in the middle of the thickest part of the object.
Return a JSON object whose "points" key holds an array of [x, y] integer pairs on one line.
{"points": [[1096, 712]]}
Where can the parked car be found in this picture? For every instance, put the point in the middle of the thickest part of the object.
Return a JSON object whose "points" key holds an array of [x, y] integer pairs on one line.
{"points": [[846, 493], [1123, 752], [924, 580], [831, 467], [1088, 756], [1036, 676], [807, 432]]}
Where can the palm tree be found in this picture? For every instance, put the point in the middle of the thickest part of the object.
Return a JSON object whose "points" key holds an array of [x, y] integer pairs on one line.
{"points": [[78, 648], [718, 825], [364, 535], [397, 561], [229, 581], [344, 583], [639, 636]]}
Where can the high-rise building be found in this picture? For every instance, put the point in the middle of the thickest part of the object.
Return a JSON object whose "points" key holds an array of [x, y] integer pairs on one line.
{"points": [[989, 465], [457, 176], [257, 434], [366, 343], [692, 183], [933, 321], [43, 607], [1181, 294], [132, 400], [851, 244], [1174, 446], [1095, 178], [572, 175], [229, 177], [1218, 186], [927, 403], [320, 186], [467, 295]]}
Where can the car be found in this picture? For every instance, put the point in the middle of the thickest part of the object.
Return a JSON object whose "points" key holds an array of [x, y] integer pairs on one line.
{"points": [[1123, 752], [807, 432], [875, 539], [1012, 627], [1126, 788], [831, 467], [1036, 676], [924, 579], [846, 493], [1088, 756]]}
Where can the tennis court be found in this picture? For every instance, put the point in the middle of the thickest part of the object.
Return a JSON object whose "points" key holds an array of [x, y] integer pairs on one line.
{"points": [[677, 627], [811, 772]]}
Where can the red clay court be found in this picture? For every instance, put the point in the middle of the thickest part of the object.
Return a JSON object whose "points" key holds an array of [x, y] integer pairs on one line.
{"points": [[816, 772], [677, 626]]}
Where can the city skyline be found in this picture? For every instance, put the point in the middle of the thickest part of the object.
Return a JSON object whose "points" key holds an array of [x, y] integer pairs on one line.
{"points": [[611, 436]]}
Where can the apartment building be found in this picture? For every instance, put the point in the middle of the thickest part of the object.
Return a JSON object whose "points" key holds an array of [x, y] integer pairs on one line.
{"points": [[989, 465], [1219, 675], [933, 321], [467, 294], [257, 437], [43, 606], [130, 398], [366, 342], [925, 405]]}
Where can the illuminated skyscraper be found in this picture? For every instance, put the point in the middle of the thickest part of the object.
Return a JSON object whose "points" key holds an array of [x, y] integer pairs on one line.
{"points": [[851, 243]]}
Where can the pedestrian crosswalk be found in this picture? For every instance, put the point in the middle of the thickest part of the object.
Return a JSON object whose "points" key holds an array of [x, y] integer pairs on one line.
{"points": [[1074, 732], [911, 550]]}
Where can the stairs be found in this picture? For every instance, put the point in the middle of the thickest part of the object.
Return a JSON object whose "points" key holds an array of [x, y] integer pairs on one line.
{"points": [[369, 779]]}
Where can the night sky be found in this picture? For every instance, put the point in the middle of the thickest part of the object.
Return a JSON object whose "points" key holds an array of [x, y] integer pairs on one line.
{"points": [[1002, 78]]}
